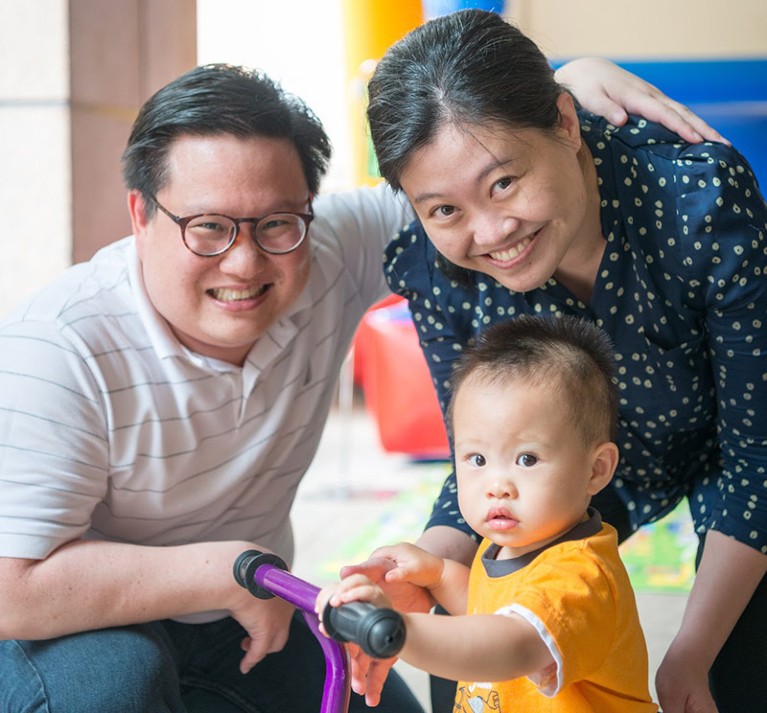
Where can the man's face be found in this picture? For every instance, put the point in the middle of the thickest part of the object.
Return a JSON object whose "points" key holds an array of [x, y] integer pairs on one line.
{"points": [[220, 306]]}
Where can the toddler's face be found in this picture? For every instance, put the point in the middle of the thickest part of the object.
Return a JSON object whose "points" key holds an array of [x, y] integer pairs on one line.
{"points": [[524, 474]]}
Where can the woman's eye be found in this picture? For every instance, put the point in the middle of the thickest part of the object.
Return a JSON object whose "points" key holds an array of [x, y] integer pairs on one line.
{"points": [[502, 184], [444, 211], [477, 460], [526, 460]]}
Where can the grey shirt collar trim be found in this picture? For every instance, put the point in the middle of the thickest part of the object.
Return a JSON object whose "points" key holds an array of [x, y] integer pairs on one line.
{"points": [[501, 568]]}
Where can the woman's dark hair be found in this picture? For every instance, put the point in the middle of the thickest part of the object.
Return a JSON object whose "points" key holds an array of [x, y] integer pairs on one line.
{"points": [[567, 353], [467, 68], [220, 99]]}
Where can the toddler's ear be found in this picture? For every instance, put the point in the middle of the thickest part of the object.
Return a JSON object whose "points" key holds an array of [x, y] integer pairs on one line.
{"points": [[603, 465]]}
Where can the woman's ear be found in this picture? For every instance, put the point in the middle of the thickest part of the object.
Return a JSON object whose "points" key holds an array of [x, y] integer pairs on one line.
{"points": [[603, 464], [569, 125]]}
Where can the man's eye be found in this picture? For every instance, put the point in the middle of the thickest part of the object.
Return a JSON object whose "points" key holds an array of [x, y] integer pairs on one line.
{"points": [[209, 225], [477, 460], [272, 223], [526, 460]]}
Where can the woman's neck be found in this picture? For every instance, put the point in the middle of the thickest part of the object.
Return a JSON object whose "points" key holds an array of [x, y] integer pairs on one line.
{"points": [[578, 270]]}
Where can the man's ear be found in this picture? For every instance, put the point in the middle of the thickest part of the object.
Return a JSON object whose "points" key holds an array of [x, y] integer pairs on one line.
{"points": [[138, 217], [604, 461], [137, 210]]}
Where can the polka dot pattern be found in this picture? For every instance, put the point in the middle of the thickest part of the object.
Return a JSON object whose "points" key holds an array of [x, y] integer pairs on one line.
{"points": [[682, 292]]}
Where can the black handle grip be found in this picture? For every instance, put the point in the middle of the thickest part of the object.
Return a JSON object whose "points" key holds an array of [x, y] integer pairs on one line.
{"points": [[247, 563], [380, 632]]}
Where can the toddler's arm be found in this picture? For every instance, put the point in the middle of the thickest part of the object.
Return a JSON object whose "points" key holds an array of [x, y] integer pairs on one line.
{"points": [[446, 580], [473, 648], [483, 647]]}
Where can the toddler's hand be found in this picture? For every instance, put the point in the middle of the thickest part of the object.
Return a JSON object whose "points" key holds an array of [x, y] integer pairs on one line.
{"points": [[368, 674], [355, 588]]}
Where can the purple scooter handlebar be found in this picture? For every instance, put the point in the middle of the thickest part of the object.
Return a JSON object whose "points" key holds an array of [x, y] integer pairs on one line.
{"points": [[379, 632]]}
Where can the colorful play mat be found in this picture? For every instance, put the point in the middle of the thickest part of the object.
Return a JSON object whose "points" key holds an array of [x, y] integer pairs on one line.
{"points": [[659, 557]]}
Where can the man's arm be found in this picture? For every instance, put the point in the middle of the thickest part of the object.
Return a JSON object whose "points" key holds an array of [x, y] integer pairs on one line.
{"points": [[89, 584], [609, 91]]}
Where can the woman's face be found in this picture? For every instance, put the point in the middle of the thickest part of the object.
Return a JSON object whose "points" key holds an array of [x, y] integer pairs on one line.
{"points": [[515, 205]]}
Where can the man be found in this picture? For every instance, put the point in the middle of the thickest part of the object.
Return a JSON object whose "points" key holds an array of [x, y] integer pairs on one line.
{"points": [[160, 405]]}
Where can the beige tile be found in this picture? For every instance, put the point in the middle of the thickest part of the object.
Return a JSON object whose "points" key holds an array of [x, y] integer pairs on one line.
{"points": [[34, 199], [33, 51]]}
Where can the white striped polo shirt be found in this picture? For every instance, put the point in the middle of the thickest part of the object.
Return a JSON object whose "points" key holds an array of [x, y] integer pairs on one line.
{"points": [[111, 429]]}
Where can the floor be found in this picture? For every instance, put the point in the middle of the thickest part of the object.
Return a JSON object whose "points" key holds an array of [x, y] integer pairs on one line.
{"points": [[353, 485]]}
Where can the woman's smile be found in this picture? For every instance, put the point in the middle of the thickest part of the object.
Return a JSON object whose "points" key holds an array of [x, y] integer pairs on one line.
{"points": [[513, 255]]}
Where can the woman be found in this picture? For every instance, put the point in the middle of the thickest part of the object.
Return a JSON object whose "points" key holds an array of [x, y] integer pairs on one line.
{"points": [[529, 205]]}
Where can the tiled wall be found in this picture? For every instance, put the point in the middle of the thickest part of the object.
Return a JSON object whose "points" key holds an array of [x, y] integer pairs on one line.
{"points": [[122, 51], [35, 209], [72, 76]]}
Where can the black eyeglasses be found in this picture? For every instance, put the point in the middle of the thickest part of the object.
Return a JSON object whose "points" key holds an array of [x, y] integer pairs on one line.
{"points": [[210, 234]]}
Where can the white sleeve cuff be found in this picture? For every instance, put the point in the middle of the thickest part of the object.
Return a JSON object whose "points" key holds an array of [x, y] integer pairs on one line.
{"points": [[548, 680]]}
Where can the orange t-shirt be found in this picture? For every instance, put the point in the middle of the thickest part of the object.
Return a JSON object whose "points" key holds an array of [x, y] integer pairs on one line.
{"points": [[577, 594]]}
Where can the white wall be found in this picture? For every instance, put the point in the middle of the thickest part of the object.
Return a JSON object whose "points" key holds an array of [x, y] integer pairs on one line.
{"points": [[34, 146], [297, 42]]}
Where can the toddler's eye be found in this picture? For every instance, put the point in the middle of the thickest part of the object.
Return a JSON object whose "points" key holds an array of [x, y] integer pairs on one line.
{"points": [[477, 460], [527, 460]]}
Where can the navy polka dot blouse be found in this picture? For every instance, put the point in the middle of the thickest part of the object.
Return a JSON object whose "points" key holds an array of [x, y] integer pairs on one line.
{"points": [[681, 290]]}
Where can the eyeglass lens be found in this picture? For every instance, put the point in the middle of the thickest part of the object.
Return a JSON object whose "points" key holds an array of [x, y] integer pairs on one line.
{"points": [[278, 232]]}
